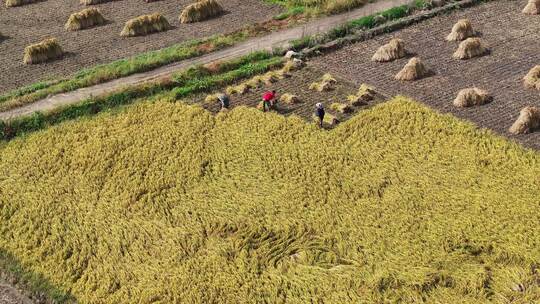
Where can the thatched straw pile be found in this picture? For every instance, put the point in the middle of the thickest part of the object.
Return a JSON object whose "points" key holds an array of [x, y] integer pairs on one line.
{"points": [[144, 25], [200, 10], [239, 89], [327, 83], [289, 99], [92, 2], [532, 79], [393, 50], [413, 70], [461, 31], [46, 50], [471, 47], [528, 121], [13, 3], [472, 97], [212, 98], [365, 94], [84, 19], [270, 78], [532, 8], [343, 108], [293, 65]]}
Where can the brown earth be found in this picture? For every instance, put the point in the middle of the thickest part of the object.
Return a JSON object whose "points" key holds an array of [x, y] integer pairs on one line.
{"points": [[32, 23], [515, 49], [10, 295]]}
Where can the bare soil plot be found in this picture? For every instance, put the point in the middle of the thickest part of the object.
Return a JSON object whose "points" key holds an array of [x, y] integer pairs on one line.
{"points": [[10, 295], [32, 23], [515, 49], [298, 84]]}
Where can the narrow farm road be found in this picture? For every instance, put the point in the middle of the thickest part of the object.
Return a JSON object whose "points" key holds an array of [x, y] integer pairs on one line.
{"points": [[276, 39]]}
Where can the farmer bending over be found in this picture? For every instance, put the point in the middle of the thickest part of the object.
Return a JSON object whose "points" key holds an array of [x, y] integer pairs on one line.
{"points": [[268, 100], [224, 101]]}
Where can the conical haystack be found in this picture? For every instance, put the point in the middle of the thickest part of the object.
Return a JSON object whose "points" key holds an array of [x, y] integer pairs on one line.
{"points": [[532, 8], [201, 10], [144, 25], [393, 50], [413, 70], [532, 79], [461, 31], [472, 97], [528, 121], [84, 19], [471, 47], [46, 50]]}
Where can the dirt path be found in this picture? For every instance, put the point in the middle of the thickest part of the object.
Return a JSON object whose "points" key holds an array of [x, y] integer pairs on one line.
{"points": [[277, 39]]}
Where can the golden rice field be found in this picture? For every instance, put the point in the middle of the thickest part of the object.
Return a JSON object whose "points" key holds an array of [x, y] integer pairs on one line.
{"points": [[166, 203]]}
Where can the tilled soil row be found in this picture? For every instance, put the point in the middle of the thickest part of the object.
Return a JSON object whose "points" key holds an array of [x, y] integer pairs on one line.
{"points": [[32, 23]]}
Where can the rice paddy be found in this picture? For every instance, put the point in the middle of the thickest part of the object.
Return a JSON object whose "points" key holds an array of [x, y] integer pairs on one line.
{"points": [[167, 203]]}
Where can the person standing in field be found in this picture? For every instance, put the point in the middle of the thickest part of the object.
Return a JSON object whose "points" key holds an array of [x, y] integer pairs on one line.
{"points": [[268, 100], [319, 112], [224, 101]]}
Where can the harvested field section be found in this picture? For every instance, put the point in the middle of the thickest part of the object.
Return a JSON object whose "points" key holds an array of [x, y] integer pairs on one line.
{"points": [[27, 24], [515, 49], [297, 84]]}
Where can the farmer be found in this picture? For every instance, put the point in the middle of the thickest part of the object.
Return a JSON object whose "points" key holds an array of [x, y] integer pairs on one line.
{"points": [[319, 112], [268, 100], [224, 101]]}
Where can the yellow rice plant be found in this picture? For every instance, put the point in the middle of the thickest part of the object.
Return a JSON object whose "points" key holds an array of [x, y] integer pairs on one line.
{"points": [[165, 202]]}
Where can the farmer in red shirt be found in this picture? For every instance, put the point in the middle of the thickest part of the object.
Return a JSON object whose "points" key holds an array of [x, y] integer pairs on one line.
{"points": [[268, 98]]}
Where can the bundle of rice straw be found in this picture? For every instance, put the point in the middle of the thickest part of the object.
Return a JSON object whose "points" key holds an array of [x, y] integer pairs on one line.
{"points": [[84, 19], [472, 97], [327, 83], [144, 25], [461, 31], [201, 10], [532, 79], [293, 65], [413, 70], [393, 50], [289, 99], [532, 8], [527, 122], [13, 3], [469, 48], [92, 2], [341, 107], [46, 50]]}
